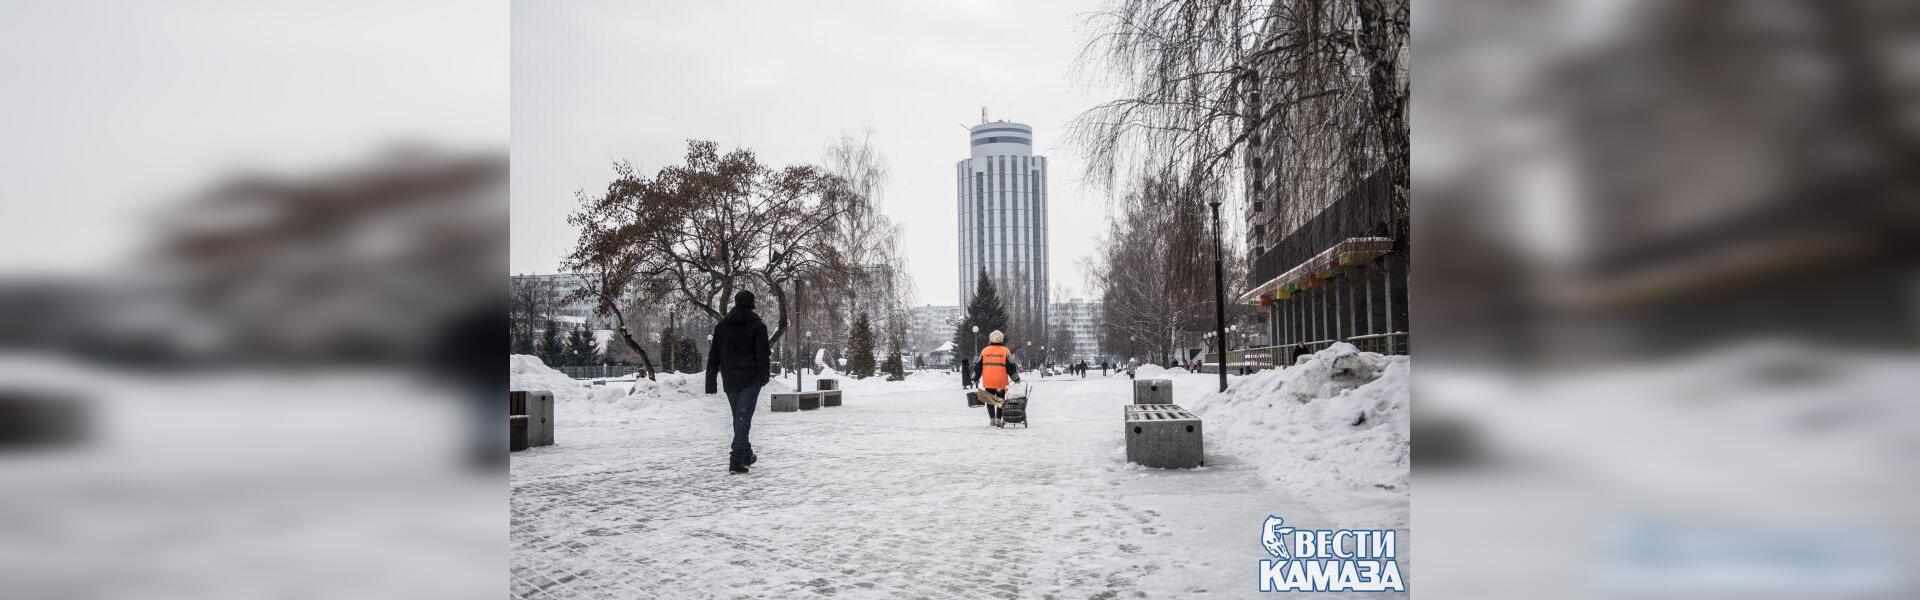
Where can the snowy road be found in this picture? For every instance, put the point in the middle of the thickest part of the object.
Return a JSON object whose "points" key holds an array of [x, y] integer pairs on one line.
{"points": [[902, 492]]}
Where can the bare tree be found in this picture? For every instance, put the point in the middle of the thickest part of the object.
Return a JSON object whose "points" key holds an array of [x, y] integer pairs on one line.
{"points": [[863, 263], [697, 232], [1204, 79], [1153, 271], [534, 300]]}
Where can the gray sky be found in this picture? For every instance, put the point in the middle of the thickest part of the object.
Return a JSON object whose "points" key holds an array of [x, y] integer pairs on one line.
{"points": [[595, 82], [115, 110]]}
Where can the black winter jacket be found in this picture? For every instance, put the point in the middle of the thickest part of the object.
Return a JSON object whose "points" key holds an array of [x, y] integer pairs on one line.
{"points": [[739, 355]]}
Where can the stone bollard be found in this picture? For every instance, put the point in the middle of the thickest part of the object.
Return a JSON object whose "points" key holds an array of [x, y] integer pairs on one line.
{"points": [[1163, 436], [809, 400], [537, 407], [786, 402], [1153, 391], [829, 398]]}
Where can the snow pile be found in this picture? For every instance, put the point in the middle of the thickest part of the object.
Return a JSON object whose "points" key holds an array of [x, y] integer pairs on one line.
{"points": [[1333, 431], [618, 401], [1331, 372], [528, 373], [1151, 371]]}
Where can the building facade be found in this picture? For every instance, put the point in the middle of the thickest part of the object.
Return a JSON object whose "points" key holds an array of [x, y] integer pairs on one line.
{"points": [[929, 326], [1082, 319], [1001, 209], [1326, 239]]}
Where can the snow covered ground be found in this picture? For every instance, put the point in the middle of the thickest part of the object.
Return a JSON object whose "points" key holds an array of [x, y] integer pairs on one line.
{"points": [[1709, 463], [905, 491]]}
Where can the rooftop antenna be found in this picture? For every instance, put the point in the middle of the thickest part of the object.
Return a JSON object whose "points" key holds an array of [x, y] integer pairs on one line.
{"points": [[983, 115]]}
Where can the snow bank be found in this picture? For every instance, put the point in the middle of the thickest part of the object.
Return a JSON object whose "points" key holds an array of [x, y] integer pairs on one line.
{"points": [[1333, 431], [528, 373], [619, 400]]}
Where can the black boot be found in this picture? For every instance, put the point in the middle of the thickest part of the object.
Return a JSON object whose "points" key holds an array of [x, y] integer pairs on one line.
{"points": [[752, 458], [736, 468]]}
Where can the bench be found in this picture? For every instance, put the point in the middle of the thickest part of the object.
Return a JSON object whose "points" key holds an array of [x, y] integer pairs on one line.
{"points": [[1153, 391], [1163, 436]]}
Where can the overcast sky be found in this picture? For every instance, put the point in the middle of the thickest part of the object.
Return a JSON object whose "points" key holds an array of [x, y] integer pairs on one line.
{"points": [[113, 112], [595, 82]]}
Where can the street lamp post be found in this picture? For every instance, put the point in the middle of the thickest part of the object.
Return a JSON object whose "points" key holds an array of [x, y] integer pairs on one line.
{"points": [[799, 285], [972, 340], [1219, 296]]}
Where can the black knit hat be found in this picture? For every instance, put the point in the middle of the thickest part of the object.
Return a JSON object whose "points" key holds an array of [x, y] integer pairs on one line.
{"points": [[744, 299]]}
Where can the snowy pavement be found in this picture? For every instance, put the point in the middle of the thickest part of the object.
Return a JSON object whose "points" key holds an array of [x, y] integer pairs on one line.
{"points": [[903, 492]]}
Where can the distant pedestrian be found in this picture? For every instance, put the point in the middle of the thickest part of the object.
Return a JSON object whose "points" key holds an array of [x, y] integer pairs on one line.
{"points": [[739, 356], [1132, 365], [1103, 368]]}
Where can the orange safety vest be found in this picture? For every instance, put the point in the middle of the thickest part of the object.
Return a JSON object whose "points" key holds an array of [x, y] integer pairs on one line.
{"points": [[993, 367]]}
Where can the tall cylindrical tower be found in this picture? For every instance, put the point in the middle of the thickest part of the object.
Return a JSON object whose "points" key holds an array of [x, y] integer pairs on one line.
{"points": [[1002, 208]]}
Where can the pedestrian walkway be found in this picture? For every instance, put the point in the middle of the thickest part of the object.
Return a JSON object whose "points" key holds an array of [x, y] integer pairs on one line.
{"points": [[903, 492]]}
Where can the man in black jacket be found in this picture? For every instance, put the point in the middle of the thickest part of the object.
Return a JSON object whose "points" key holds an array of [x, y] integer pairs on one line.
{"points": [[739, 357]]}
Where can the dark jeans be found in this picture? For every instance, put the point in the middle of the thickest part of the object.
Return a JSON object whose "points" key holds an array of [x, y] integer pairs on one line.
{"points": [[993, 412], [743, 400]]}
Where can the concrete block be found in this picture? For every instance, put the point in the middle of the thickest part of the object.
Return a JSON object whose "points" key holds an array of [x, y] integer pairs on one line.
{"points": [[516, 433], [1164, 436], [538, 408], [826, 384], [829, 398], [1152, 391], [809, 400], [785, 402]]}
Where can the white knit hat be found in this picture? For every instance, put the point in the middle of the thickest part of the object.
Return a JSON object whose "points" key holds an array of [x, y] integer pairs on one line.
{"points": [[997, 337]]}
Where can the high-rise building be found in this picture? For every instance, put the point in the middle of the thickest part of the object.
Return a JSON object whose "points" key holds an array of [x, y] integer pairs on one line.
{"points": [[1001, 201]]}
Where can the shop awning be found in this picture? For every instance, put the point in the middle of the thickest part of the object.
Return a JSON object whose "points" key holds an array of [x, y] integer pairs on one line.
{"points": [[1328, 264]]}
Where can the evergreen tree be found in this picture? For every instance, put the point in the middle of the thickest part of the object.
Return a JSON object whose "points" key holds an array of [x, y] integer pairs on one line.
{"points": [[860, 348], [550, 350], [686, 356], [895, 369], [580, 347], [522, 344], [984, 310]]}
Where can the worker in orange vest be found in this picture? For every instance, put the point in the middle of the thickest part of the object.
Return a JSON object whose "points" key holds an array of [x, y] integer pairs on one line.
{"points": [[995, 367]]}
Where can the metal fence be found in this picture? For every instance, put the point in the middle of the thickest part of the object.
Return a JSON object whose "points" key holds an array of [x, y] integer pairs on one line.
{"points": [[1284, 355], [600, 371]]}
